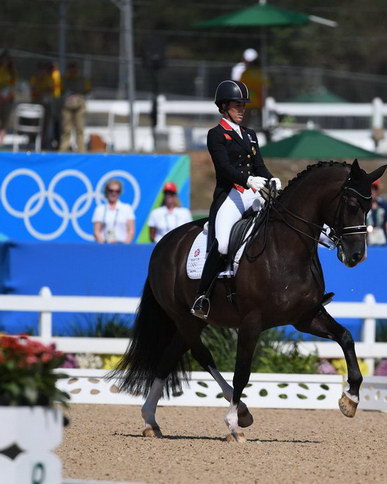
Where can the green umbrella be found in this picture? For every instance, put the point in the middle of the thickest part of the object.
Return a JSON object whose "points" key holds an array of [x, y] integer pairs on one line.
{"points": [[314, 144], [259, 15], [263, 14], [317, 97]]}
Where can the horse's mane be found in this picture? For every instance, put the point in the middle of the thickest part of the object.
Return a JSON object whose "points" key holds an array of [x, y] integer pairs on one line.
{"points": [[309, 168]]}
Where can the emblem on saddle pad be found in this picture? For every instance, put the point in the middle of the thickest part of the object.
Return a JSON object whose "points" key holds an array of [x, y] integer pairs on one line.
{"points": [[197, 257]]}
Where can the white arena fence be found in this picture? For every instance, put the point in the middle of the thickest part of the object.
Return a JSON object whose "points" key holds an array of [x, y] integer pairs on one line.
{"points": [[179, 138], [264, 390], [45, 304]]}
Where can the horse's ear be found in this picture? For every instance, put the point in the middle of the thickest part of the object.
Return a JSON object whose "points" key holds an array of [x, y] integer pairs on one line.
{"points": [[376, 174], [356, 171]]}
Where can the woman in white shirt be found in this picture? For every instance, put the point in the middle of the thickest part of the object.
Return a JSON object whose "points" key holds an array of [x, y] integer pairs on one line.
{"points": [[169, 216], [113, 221]]}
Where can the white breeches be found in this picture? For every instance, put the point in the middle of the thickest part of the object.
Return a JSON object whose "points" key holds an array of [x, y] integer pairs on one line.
{"points": [[230, 212]]}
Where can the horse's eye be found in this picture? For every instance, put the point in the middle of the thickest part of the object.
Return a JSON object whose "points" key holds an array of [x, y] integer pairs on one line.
{"points": [[353, 207]]}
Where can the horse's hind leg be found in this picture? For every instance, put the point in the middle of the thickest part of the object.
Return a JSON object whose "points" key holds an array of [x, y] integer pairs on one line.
{"points": [[204, 357], [325, 326], [148, 410], [168, 361]]}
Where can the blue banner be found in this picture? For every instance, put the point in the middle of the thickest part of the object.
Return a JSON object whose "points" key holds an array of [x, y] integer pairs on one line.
{"points": [[52, 196]]}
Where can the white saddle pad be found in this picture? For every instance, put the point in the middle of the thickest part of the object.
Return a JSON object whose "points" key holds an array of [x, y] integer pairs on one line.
{"points": [[197, 256]]}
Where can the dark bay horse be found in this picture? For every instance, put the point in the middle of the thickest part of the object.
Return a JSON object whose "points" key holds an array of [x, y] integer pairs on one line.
{"points": [[279, 281]]}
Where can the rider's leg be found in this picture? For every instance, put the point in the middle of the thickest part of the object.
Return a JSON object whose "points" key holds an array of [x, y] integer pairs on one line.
{"points": [[214, 264], [229, 212]]}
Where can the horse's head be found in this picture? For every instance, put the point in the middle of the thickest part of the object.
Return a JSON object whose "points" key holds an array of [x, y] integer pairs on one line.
{"points": [[353, 207]]}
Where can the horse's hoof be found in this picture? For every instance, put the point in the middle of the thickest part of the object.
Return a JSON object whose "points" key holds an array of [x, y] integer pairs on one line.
{"points": [[347, 405], [150, 431], [245, 419], [236, 437]]}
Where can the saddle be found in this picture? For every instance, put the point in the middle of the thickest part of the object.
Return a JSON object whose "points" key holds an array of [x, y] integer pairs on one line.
{"points": [[240, 231], [238, 237]]}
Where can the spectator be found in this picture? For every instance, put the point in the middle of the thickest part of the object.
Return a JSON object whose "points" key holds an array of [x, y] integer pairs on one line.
{"points": [[377, 218], [55, 104], [169, 215], [249, 55], [8, 77], [75, 88], [256, 82], [113, 221], [42, 88]]}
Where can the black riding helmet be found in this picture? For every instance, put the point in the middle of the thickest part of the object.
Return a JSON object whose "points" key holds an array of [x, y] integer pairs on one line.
{"points": [[231, 91]]}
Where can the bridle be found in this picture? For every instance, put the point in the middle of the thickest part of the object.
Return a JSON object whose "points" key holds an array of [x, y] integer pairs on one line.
{"points": [[335, 235]]}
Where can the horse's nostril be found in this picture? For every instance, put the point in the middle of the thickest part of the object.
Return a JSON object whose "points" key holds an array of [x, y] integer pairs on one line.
{"points": [[357, 257]]}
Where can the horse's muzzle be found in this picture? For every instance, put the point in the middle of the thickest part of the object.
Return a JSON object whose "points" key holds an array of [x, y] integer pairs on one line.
{"points": [[351, 259]]}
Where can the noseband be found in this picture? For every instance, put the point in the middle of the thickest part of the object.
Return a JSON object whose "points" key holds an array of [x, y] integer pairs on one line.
{"points": [[338, 234]]}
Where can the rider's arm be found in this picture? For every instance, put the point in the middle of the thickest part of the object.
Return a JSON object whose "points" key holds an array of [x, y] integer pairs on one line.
{"points": [[220, 150], [152, 233]]}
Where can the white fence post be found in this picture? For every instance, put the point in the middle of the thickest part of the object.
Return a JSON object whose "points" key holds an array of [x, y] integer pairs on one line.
{"points": [[161, 111], [45, 317], [369, 331]]}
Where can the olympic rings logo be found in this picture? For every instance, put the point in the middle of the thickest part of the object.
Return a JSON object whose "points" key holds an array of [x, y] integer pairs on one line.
{"points": [[58, 204]]}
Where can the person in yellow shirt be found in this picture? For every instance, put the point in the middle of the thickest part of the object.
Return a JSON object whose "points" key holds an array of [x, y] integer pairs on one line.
{"points": [[8, 78], [42, 88], [257, 83], [55, 104], [75, 88]]}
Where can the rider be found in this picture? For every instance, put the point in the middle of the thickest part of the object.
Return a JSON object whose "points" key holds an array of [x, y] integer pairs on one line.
{"points": [[240, 175]]}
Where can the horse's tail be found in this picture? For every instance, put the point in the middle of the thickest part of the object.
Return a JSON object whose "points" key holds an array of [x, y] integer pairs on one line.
{"points": [[153, 331]]}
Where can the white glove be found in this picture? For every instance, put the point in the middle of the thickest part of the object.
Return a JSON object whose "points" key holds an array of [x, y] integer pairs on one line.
{"points": [[256, 182], [277, 182]]}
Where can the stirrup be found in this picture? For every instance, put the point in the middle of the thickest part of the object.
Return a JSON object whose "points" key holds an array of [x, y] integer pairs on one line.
{"points": [[201, 307]]}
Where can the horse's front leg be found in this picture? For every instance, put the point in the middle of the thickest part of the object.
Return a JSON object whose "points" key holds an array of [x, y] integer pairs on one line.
{"points": [[325, 326], [247, 339], [204, 357]]}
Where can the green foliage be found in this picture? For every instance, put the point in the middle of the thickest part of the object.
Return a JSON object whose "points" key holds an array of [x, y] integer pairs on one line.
{"points": [[26, 372], [103, 326], [281, 357], [381, 330], [273, 353]]}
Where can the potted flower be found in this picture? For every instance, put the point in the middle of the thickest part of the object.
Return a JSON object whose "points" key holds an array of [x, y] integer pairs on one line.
{"points": [[31, 426]]}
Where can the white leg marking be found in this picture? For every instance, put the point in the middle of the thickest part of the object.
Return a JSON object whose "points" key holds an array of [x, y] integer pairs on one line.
{"points": [[354, 398], [231, 418], [148, 411], [226, 388]]}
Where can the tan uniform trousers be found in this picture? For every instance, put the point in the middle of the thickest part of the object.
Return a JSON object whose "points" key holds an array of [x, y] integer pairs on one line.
{"points": [[73, 119]]}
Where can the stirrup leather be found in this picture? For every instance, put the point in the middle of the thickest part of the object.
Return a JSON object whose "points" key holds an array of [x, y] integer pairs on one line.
{"points": [[201, 307]]}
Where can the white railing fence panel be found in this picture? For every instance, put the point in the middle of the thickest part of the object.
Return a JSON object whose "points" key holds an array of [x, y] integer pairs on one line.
{"points": [[45, 304], [264, 390]]}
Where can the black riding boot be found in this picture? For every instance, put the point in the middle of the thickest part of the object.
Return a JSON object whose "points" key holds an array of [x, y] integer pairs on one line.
{"points": [[214, 264]]}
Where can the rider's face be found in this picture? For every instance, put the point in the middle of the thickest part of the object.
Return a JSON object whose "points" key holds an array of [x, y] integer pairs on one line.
{"points": [[236, 111]]}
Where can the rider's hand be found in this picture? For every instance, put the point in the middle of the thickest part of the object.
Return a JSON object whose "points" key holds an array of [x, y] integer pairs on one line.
{"points": [[277, 182], [256, 182]]}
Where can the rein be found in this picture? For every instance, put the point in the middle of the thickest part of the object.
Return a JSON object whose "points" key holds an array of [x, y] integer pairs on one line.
{"points": [[334, 235]]}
